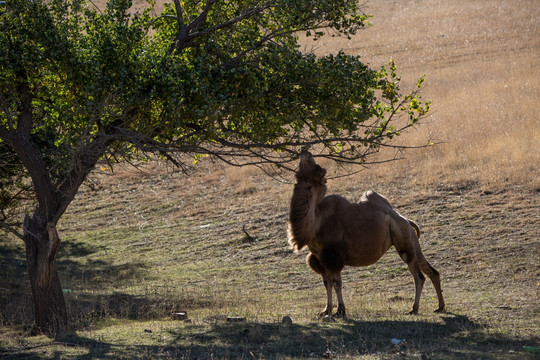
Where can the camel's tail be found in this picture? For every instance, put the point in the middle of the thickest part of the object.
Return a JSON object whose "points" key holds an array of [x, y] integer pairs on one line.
{"points": [[416, 228]]}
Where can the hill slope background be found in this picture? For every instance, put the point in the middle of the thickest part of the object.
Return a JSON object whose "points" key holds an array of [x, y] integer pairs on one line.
{"points": [[140, 245]]}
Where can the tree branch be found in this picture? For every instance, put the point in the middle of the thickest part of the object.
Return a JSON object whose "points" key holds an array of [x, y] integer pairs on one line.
{"points": [[256, 45], [185, 32], [179, 16], [33, 162], [24, 122], [183, 38], [84, 160], [202, 16], [11, 230], [245, 15]]}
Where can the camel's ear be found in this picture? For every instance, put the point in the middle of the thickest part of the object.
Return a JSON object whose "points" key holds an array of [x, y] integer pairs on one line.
{"points": [[319, 171]]}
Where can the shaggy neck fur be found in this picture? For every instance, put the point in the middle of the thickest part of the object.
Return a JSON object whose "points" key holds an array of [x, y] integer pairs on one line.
{"points": [[303, 216]]}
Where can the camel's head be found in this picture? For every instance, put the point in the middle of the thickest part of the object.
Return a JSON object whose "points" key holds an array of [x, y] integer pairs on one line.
{"points": [[309, 171]]}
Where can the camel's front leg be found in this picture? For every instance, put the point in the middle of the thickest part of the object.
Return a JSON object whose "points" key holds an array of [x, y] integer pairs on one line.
{"points": [[316, 265], [341, 305], [328, 284]]}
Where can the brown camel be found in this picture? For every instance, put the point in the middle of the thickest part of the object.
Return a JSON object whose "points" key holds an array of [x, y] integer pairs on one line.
{"points": [[339, 233]]}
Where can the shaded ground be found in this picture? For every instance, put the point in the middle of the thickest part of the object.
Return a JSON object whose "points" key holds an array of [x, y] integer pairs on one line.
{"points": [[454, 337]]}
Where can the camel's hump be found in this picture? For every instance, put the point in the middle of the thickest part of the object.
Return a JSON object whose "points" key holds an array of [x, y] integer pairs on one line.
{"points": [[372, 196]]}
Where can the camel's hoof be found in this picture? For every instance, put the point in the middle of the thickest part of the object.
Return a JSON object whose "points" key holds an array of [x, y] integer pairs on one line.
{"points": [[324, 313], [440, 310], [413, 312], [340, 313]]}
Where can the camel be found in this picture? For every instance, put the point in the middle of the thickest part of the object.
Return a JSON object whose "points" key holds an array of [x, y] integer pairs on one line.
{"points": [[339, 233]]}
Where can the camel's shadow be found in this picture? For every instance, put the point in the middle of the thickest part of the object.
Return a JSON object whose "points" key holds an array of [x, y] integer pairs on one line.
{"points": [[456, 336], [346, 337]]}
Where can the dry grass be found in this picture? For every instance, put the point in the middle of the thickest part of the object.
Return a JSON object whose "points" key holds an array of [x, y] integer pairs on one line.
{"points": [[482, 68], [145, 245]]}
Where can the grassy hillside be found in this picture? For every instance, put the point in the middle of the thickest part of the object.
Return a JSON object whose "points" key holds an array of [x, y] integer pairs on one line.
{"points": [[138, 246], [482, 72]]}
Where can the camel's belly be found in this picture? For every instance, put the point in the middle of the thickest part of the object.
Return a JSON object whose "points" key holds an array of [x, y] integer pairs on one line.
{"points": [[366, 243], [356, 254], [364, 257], [361, 262]]}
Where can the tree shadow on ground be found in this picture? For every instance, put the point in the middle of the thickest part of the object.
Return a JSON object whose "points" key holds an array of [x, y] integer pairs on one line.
{"points": [[455, 337], [14, 284], [84, 282]]}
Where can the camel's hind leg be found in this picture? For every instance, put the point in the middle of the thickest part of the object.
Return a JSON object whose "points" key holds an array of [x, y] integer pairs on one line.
{"points": [[417, 264], [434, 276], [419, 280], [409, 250]]}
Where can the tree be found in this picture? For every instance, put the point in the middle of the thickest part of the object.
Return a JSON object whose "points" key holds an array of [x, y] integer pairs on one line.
{"points": [[79, 86]]}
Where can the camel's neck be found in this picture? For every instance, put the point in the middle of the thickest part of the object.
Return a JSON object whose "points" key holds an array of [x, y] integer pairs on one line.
{"points": [[303, 222]]}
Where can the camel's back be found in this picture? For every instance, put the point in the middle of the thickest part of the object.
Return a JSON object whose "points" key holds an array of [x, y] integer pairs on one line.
{"points": [[371, 206]]}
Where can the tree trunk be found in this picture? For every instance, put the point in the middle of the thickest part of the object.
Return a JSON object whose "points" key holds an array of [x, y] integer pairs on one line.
{"points": [[42, 244]]}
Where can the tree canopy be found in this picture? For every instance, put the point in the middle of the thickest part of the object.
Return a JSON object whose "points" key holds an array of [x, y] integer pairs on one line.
{"points": [[80, 85]]}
